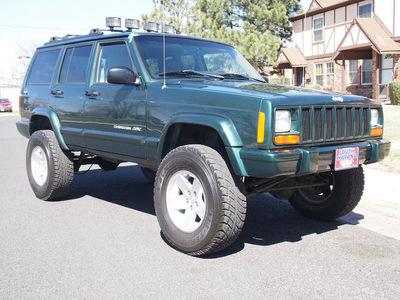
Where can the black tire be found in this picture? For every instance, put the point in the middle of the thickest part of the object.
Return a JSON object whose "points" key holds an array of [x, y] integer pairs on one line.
{"points": [[219, 221], [149, 174], [106, 165], [332, 201], [50, 169]]}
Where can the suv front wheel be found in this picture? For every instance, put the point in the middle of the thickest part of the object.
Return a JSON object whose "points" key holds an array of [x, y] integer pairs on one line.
{"points": [[50, 169], [198, 206], [338, 197]]}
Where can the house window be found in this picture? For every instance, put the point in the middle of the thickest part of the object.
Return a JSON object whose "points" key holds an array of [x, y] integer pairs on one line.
{"points": [[318, 25], [353, 72], [365, 10], [366, 70], [319, 74], [330, 69]]}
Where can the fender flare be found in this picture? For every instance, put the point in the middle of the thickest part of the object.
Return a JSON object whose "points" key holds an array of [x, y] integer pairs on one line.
{"points": [[221, 124], [54, 120]]}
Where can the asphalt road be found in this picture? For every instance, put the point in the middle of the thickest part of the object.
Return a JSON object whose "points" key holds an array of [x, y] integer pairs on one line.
{"points": [[104, 242]]}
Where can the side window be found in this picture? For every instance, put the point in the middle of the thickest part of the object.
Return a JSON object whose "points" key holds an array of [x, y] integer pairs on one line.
{"points": [[222, 63], [43, 67], [75, 64], [153, 66], [188, 62], [112, 55]]}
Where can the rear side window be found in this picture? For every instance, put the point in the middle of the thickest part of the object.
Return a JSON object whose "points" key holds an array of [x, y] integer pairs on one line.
{"points": [[43, 67], [75, 65], [112, 55]]}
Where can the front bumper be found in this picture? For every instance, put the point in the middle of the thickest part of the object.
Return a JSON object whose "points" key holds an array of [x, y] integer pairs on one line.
{"points": [[301, 161]]}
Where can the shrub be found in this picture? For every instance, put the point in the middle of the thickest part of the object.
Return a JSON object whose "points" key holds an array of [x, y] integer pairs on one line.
{"points": [[394, 92], [315, 86]]}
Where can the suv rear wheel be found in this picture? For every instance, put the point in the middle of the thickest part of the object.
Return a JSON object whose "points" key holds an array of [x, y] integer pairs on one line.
{"points": [[339, 197], [199, 208], [50, 169]]}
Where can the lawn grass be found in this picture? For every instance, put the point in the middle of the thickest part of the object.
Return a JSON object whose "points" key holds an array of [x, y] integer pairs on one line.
{"points": [[391, 133]]}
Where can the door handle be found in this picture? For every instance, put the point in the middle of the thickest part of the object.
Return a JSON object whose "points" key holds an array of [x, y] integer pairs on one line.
{"points": [[57, 92], [92, 93]]}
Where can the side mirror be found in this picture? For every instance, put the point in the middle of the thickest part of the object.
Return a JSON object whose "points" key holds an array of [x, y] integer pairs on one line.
{"points": [[122, 75]]}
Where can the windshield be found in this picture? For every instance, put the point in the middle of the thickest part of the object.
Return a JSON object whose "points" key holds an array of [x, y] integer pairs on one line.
{"points": [[4, 101], [185, 57]]}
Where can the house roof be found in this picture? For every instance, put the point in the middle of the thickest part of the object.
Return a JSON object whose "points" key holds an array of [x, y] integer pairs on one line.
{"points": [[367, 33], [320, 6], [328, 3], [291, 58]]}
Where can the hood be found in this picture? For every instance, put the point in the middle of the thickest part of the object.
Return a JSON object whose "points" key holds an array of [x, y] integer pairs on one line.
{"points": [[277, 94]]}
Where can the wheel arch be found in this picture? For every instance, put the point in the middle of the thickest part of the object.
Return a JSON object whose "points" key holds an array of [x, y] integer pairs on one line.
{"points": [[46, 118], [181, 124]]}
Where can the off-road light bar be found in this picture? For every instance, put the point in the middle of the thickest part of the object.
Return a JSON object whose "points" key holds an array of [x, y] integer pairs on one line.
{"points": [[151, 26], [132, 24], [113, 22], [168, 29]]}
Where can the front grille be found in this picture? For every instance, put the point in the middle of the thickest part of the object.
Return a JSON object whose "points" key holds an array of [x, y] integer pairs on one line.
{"points": [[332, 123]]}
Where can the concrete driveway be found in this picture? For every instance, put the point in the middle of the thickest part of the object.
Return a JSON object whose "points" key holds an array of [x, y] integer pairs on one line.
{"points": [[379, 208]]}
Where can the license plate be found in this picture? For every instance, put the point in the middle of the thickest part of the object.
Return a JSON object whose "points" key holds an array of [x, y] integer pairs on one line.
{"points": [[347, 158]]}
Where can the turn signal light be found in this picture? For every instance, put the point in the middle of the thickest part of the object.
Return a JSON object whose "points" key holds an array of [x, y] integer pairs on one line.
{"points": [[287, 139], [376, 131], [261, 128]]}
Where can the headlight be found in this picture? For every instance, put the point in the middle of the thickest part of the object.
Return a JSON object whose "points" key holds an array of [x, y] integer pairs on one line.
{"points": [[283, 121], [374, 118]]}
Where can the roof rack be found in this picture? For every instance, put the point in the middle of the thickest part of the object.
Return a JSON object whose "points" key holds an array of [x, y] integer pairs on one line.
{"points": [[115, 22], [95, 31]]}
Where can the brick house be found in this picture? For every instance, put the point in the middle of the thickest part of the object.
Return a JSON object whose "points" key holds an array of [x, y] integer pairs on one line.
{"points": [[346, 46]]}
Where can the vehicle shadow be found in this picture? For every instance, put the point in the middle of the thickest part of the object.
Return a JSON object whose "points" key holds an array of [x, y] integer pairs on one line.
{"points": [[269, 221], [126, 186]]}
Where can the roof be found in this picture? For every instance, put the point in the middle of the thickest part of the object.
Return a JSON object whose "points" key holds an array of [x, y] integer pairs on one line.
{"points": [[367, 33], [377, 35], [324, 5], [328, 3], [291, 58], [100, 35]]}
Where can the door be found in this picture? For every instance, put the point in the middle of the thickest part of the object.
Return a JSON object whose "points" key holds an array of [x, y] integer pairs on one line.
{"points": [[300, 76], [115, 114], [68, 93]]}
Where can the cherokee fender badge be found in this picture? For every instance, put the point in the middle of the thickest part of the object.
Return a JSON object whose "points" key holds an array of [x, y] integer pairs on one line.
{"points": [[337, 99]]}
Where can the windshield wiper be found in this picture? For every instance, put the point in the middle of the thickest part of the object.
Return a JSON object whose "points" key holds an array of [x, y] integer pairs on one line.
{"points": [[189, 73], [234, 76], [239, 77]]}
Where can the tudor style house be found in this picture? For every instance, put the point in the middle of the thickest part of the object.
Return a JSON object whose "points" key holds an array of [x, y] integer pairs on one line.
{"points": [[346, 46]]}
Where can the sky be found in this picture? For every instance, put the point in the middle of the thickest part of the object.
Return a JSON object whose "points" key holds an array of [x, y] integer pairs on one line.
{"points": [[25, 24]]}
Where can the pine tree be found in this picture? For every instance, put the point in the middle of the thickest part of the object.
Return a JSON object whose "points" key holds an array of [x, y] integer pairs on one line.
{"points": [[257, 28], [173, 12]]}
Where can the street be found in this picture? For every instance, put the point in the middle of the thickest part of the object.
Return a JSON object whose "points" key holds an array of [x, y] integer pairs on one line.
{"points": [[104, 241]]}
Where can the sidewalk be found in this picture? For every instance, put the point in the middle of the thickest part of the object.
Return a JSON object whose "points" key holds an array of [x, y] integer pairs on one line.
{"points": [[379, 208]]}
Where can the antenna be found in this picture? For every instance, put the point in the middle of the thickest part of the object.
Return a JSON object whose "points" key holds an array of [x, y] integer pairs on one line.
{"points": [[163, 31], [164, 58]]}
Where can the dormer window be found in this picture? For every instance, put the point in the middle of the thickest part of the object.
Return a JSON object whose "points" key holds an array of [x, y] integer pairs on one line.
{"points": [[365, 10], [318, 26]]}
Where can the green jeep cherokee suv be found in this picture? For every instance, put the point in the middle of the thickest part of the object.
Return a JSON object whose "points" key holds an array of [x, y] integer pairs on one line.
{"points": [[201, 123]]}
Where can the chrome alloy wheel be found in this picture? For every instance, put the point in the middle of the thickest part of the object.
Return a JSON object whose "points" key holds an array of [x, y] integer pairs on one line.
{"points": [[186, 203], [39, 165]]}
